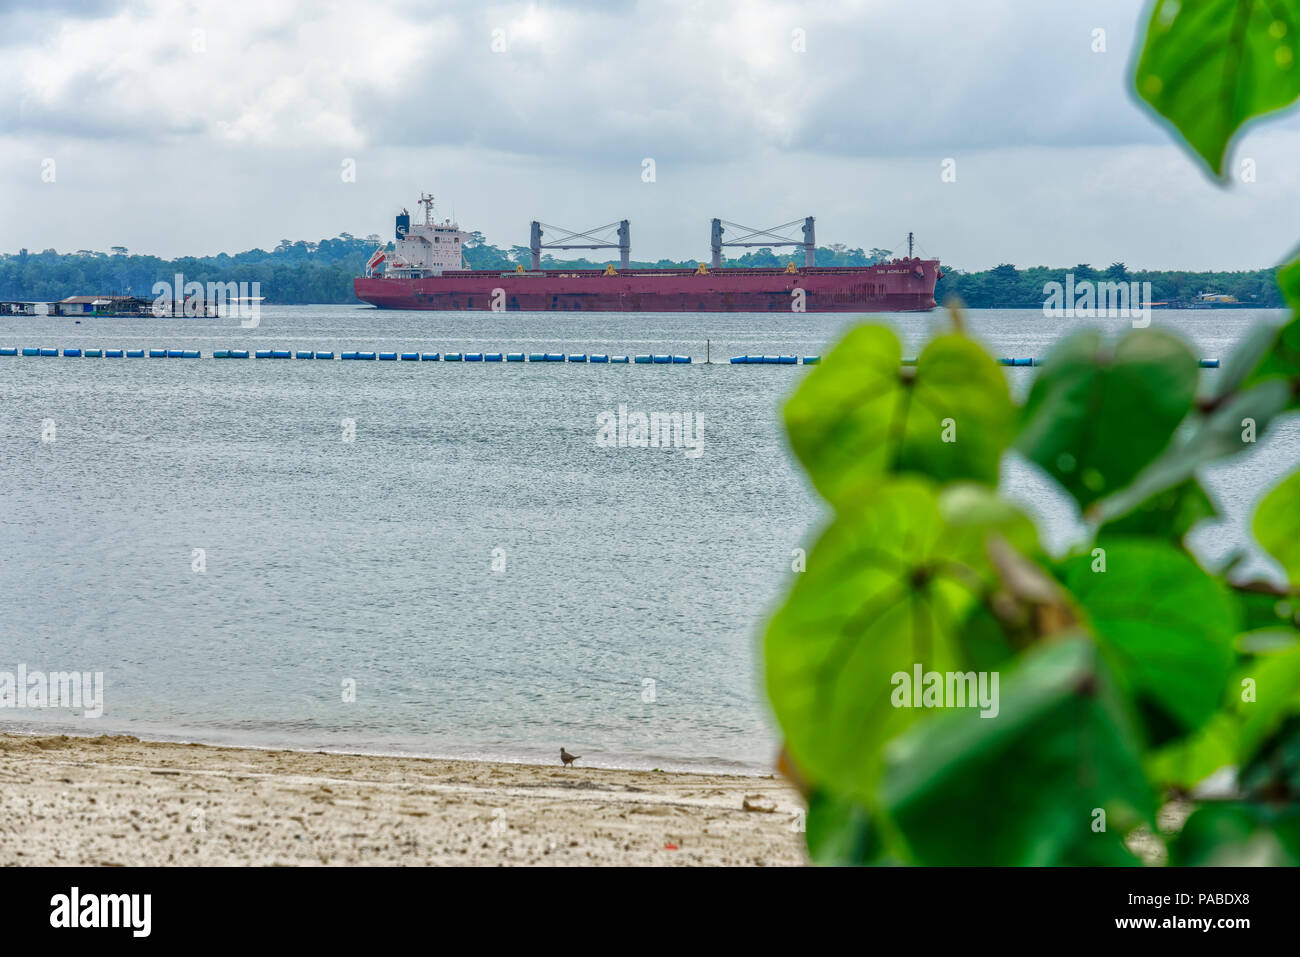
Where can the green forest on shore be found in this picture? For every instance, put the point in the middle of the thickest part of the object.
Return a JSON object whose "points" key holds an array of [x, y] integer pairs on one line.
{"points": [[322, 272]]}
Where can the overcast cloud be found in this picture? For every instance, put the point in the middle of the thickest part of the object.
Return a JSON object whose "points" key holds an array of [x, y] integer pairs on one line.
{"points": [[195, 127]]}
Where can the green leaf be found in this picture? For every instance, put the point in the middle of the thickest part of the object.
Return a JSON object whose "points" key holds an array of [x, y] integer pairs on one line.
{"points": [[1098, 413], [887, 586], [1238, 835], [1269, 352], [1281, 363], [1226, 431], [1209, 66], [860, 414], [840, 832], [1235, 735], [1168, 515], [1263, 608], [1277, 526], [1167, 625], [1244, 359], [1023, 788], [1273, 773], [1288, 280]]}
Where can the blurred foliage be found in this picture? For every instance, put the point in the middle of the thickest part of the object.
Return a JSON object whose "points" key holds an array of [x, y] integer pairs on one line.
{"points": [[1130, 673], [1210, 66]]}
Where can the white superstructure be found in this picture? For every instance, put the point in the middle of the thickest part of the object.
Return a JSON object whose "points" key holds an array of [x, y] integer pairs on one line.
{"points": [[420, 249]]}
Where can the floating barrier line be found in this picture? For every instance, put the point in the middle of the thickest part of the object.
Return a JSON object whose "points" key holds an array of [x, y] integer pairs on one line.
{"points": [[570, 357]]}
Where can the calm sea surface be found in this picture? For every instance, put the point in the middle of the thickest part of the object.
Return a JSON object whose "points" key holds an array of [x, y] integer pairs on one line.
{"points": [[629, 574]]}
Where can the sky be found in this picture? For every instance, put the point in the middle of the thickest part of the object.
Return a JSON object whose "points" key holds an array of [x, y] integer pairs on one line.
{"points": [[189, 127]]}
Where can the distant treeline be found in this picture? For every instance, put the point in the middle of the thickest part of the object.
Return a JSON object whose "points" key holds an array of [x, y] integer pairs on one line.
{"points": [[322, 272], [1006, 287]]}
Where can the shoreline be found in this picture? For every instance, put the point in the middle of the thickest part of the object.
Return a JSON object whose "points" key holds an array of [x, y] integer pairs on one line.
{"points": [[225, 739], [117, 800]]}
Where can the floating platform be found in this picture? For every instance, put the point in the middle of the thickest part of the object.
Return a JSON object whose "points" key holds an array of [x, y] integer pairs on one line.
{"points": [[72, 352]]}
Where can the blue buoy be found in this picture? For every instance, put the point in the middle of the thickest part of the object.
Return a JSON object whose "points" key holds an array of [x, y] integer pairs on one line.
{"points": [[72, 353], [473, 357], [388, 356], [577, 357], [8, 351], [221, 354], [94, 353], [239, 353], [596, 357], [191, 354], [788, 360], [681, 360], [555, 357], [261, 353], [31, 352], [537, 357], [349, 355], [112, 353], [135, 353], [739, 360], [157, 353], [514, 357], [369, 356], [642, 360], [410, 357], [811, 360], [304, 355], [662, 360], [49, 352], [1209, 363], [175, 353], [324, 355], [618, 359], [491, 357], [430, 356], [771, 360], [452, 357]]}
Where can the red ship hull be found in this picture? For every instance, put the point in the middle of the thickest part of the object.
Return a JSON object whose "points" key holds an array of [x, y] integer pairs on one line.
{"points": [[904, 285]]}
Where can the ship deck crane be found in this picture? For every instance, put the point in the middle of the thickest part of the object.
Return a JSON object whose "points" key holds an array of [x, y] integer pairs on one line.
{"points": [[774, 238], [624, 244]]}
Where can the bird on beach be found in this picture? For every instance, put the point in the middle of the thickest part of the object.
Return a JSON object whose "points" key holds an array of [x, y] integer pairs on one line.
{"points": [[566, 758]]}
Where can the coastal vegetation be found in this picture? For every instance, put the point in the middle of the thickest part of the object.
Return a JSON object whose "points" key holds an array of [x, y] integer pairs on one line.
{"points": [[322, 272], [1129, 701]]}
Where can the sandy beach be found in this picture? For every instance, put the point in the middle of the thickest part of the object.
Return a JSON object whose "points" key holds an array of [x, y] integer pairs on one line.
{"points": [[117, 800]]}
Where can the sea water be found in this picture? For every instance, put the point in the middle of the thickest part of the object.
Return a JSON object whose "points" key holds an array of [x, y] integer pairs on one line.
{"points": [[442, 558]]}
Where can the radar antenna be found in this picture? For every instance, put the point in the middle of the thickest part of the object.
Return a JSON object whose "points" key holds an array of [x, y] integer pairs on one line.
{"points": [[426, 200]]}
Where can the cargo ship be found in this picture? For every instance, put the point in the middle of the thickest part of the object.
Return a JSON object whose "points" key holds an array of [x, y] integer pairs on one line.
{"points": [[425, 268]]}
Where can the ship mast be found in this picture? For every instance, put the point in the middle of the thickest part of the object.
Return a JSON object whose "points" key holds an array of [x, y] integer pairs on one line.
{"points": [[426, 200], [909, 245]]}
